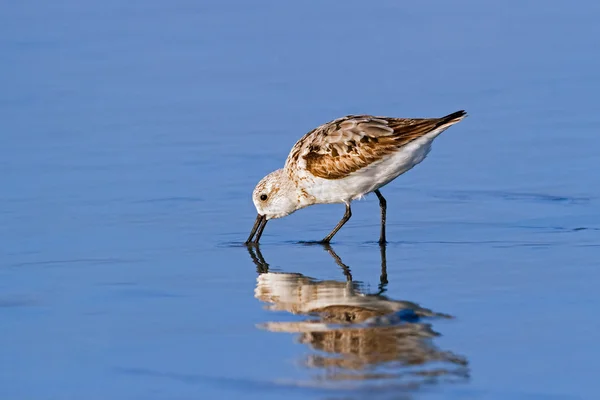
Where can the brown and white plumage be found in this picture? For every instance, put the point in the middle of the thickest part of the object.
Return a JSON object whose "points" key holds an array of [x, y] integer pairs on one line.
{"points": [[345, 159], [343, 146]]}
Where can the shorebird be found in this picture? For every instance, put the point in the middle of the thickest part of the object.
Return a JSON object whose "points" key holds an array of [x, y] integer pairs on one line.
{"points": [[343, 160]]}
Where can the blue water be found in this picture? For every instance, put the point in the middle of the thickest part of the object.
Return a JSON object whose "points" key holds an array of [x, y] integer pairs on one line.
{"points": [[131, 137]]}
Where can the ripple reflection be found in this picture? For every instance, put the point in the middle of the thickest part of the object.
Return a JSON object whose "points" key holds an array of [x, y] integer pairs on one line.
{"points": [[354, 335]]}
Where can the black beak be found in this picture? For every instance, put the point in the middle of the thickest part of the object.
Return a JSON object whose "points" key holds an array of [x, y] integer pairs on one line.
{"points": [[258, 228]]}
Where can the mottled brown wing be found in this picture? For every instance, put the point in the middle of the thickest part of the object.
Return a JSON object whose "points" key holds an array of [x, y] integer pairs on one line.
{"points": [[346, 145]]}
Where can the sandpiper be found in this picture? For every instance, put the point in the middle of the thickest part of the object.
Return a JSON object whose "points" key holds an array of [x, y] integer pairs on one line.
{"points": [[343, 160]]}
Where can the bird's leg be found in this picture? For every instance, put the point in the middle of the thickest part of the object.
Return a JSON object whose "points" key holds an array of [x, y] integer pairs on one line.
{"points": [[383, 206], [383, 281], [344, 219]]}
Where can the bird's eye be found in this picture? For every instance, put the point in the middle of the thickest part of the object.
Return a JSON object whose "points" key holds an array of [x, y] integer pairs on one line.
{"points": [[263, 197]]}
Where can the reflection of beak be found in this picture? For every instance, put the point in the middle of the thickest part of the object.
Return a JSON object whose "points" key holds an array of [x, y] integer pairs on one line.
{"points": [[259, 226]]}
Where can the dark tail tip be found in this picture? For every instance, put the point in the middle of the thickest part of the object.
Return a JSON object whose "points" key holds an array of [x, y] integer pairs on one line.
{"points": [[452, 118], [455, 115]]}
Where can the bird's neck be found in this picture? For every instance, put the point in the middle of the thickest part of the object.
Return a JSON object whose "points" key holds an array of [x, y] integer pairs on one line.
{"points": [[301, 195]]}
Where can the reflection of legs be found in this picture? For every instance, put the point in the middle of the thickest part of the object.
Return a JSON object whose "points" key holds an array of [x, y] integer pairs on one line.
{"points": [[383, 206], [383, 281], [339, 262], [344, 219]]}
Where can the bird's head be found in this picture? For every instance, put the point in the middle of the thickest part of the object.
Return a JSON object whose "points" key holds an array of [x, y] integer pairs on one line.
{"points": [[274, 197]]}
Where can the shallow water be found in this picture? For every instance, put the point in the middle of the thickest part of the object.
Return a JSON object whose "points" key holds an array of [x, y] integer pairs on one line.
{"points": [[132, 134]]}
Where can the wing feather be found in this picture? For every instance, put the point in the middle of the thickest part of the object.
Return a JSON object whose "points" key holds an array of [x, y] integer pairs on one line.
{"points": [[340, 147]]}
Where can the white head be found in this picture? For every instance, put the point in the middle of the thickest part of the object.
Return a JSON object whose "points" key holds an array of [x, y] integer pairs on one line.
{"points": [[275, 196]]}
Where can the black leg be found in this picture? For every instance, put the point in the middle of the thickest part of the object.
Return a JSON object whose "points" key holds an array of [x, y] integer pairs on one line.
{"points": [[383, 206], [383, 281], [344, 219]]}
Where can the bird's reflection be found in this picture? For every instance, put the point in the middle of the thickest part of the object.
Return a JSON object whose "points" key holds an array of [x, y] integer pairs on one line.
{"points": [[355, 335]]}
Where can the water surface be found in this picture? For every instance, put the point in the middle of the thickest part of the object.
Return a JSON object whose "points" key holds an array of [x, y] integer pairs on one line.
{"points": [[133, 133]]}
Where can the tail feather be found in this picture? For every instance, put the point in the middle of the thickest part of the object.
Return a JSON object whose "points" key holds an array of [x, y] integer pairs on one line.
{"points": [[453, 118]]}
